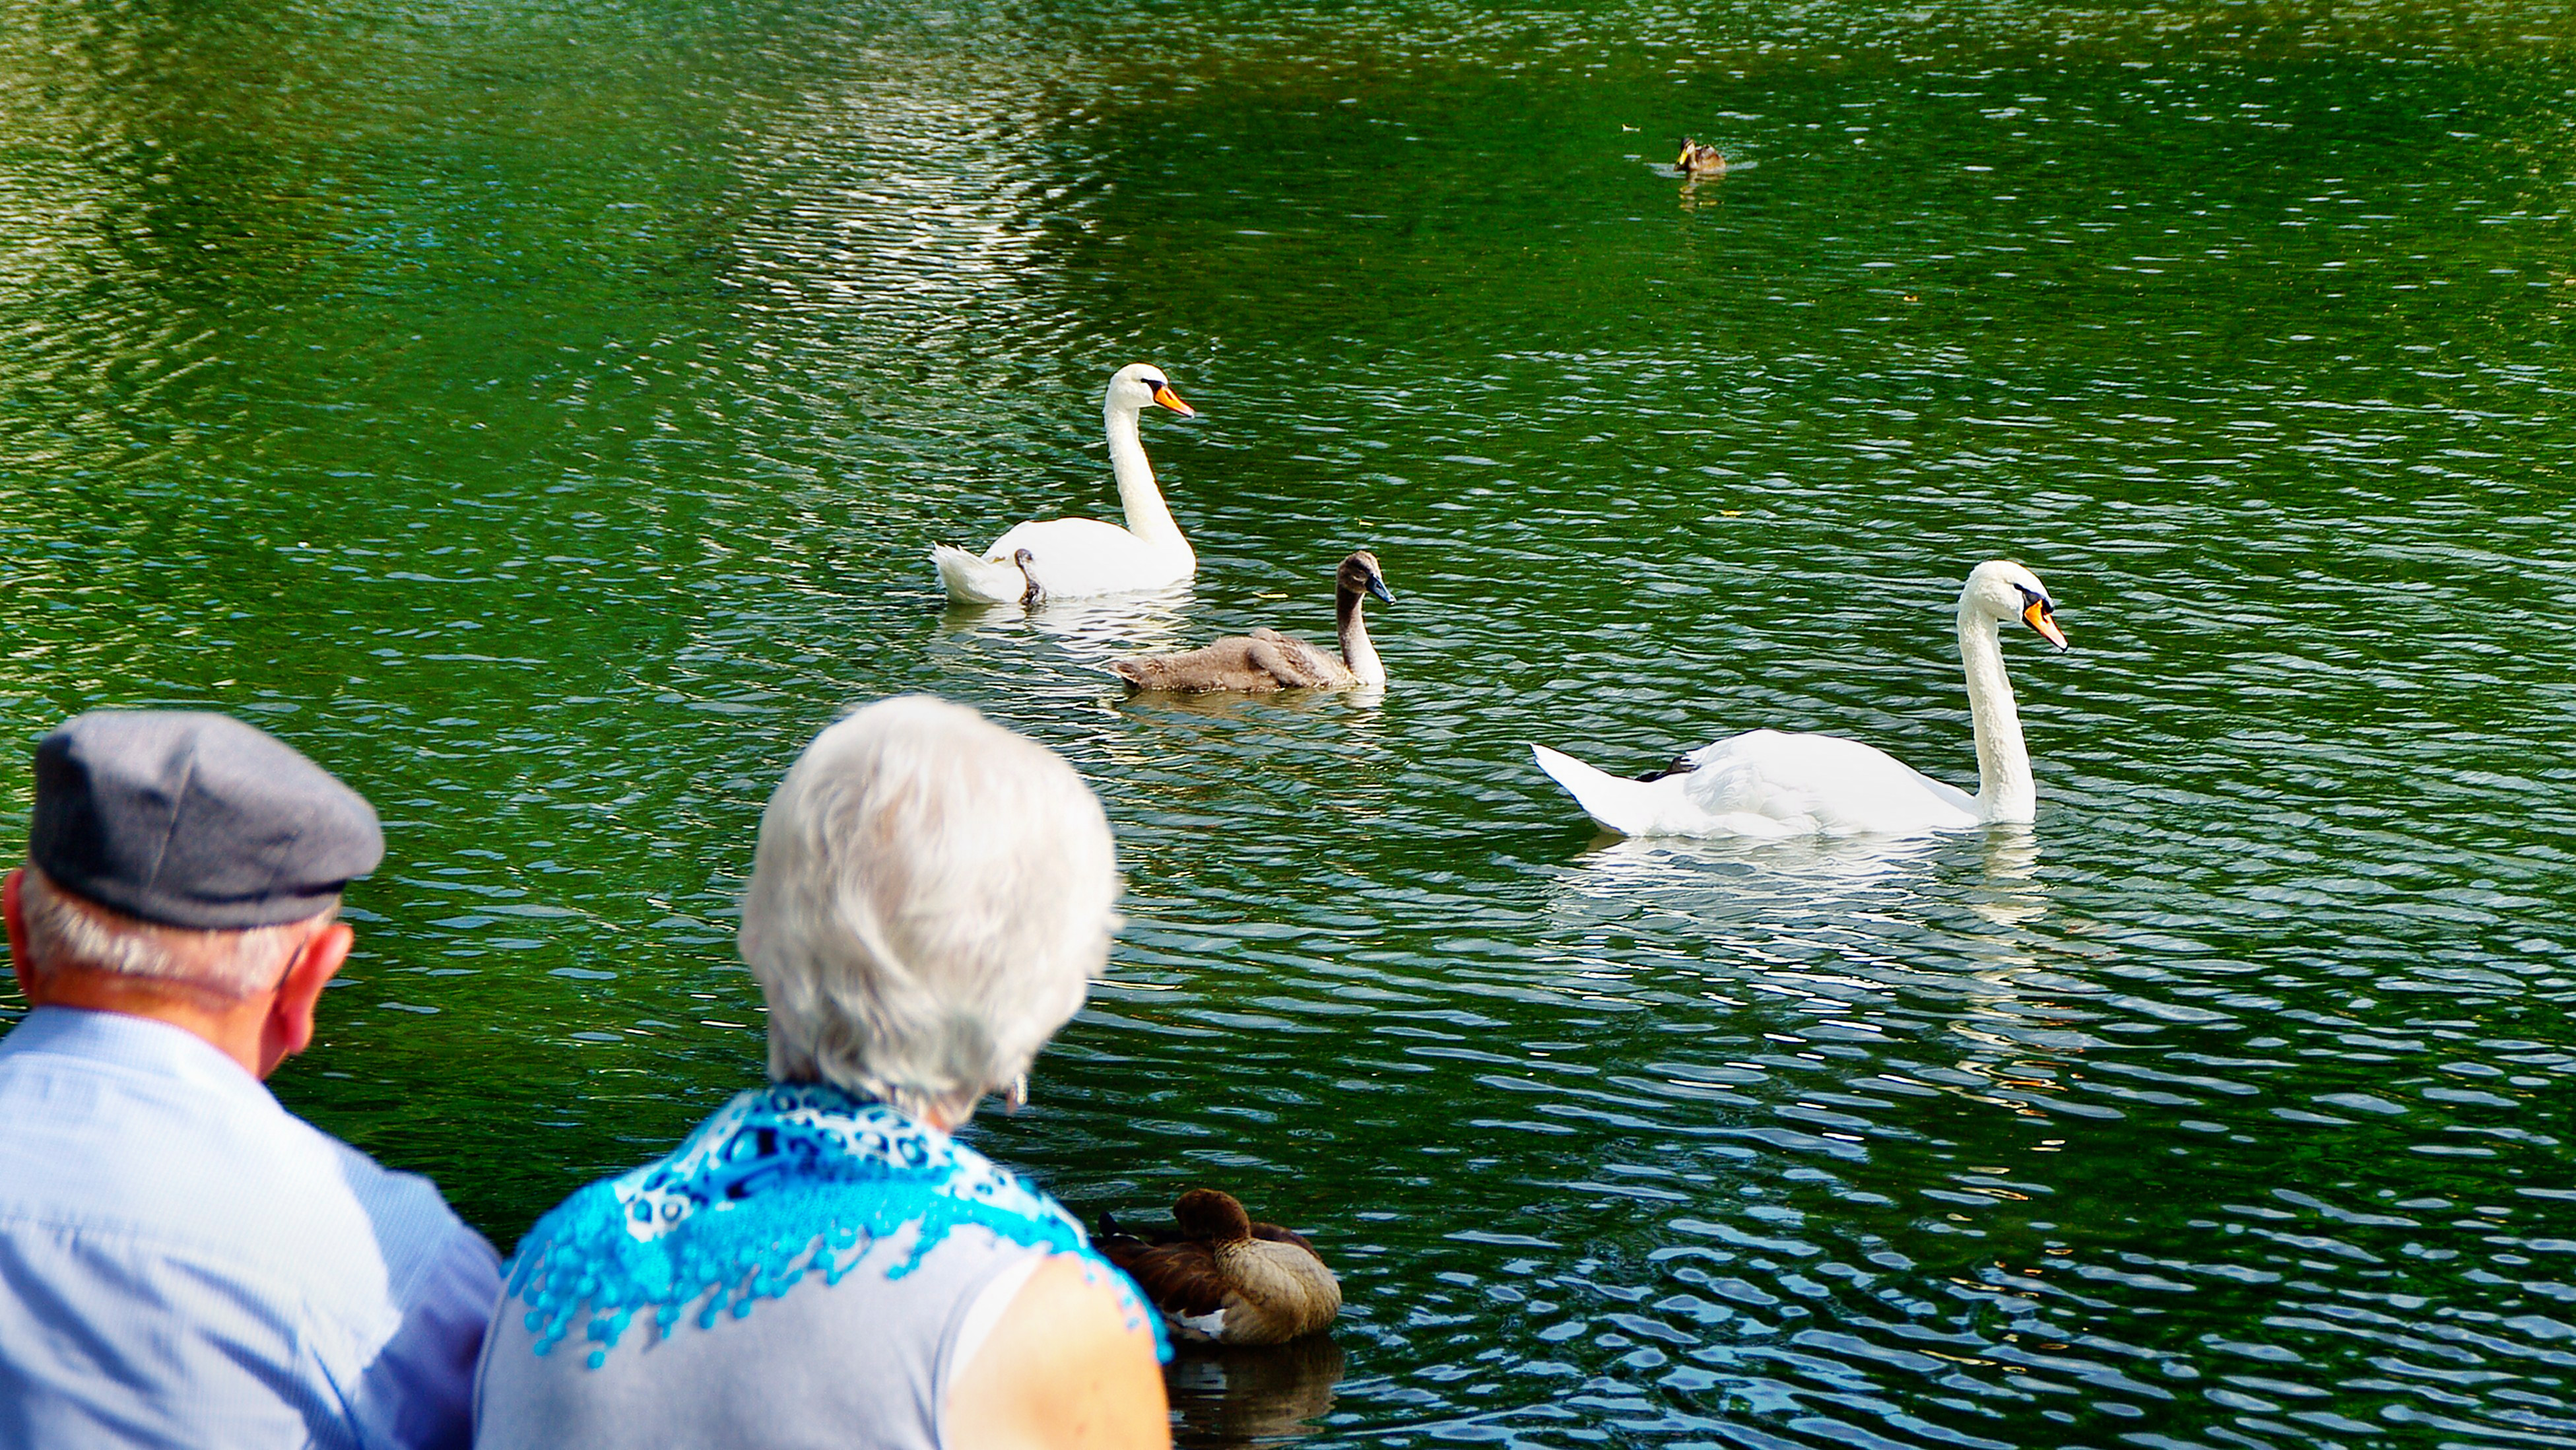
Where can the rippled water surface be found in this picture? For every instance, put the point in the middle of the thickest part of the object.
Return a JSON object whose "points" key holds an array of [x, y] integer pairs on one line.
{"points": [[539, 413]]}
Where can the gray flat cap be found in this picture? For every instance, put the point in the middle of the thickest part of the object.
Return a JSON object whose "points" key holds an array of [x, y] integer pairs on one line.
{"points": [[195, 820]]}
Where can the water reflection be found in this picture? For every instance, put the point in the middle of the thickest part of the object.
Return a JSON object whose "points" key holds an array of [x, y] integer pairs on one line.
{"points": [[1728, 880], [1092, 630], [1228, 1396], [2010, 893], [1356, 705], [1106, 628]]}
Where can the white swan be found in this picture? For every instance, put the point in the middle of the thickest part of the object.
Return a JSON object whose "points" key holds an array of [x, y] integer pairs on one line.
{"points": [[1767, 783], [1073, 558]]}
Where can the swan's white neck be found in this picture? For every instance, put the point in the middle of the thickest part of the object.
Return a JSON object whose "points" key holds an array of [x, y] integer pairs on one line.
{"points": [[1148, 518], [2005, 791], [1357, 652]]}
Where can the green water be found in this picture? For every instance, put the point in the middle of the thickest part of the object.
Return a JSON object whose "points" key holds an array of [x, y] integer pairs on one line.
{"points": [[540, 415]]}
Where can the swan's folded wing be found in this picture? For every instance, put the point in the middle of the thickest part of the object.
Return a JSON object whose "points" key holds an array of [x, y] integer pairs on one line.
{"points": [[1822, 783], [1079, 557], [1229, 664], [1067, 538], [1292, 662]]}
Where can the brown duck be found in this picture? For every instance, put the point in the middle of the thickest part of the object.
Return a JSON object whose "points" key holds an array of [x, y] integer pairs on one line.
{"points": [[1223, 1278], [1266, 660], [1699, 160]]}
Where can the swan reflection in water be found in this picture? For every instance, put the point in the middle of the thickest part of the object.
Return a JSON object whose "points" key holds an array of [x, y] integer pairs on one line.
{"points": [[1319, 747], [2011, 893], [1994, 873], [1733, 879], [1883, 904], [1227, 1396], [1094, 630], [1940, 941], [1220, 705]]}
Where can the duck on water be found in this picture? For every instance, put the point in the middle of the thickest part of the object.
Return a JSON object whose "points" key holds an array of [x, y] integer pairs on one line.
{"points": [[1220, 1277]]}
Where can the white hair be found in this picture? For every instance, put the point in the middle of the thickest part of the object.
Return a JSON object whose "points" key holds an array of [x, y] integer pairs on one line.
{"points": [[931, 898], [67, 930]]}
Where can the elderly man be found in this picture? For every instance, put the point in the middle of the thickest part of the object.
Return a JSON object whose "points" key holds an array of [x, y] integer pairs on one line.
{"points": [[182, 1261]]}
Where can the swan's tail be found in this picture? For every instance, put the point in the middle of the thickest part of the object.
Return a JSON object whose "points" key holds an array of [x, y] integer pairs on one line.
{"points": [[978, 581], [1626, 806]]}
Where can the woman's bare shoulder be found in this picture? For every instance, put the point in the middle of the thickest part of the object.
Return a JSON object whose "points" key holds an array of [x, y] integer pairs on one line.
{"points": [[1070, 1367]]}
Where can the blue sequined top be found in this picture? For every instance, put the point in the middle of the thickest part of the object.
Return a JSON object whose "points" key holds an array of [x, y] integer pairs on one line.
{"points": [[783, 1181]]}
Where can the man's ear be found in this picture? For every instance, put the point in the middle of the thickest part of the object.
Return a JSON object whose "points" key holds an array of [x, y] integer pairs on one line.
{"points": [[13, 907], [289, 1028]]}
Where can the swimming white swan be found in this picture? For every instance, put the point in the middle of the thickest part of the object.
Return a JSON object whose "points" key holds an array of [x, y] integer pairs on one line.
{"points": [[1767, 783], [1073, 558]]}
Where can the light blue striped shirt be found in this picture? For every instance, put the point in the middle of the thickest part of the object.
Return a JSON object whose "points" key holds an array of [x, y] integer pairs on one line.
{"points": [[185, 1263]]}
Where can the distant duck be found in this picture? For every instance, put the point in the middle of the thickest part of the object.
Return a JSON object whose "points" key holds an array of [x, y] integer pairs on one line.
{"points": [[1698, 160], [1085, 556], [1771, 783], [1266, 660], [1223, 1278]]}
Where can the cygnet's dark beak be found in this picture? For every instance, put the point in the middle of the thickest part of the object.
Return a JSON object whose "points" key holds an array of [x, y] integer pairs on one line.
{"points": [[1377, 586], [2038, 617]]}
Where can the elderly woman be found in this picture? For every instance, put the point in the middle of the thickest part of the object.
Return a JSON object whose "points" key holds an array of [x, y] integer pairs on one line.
{"points": [[820, 1263]]}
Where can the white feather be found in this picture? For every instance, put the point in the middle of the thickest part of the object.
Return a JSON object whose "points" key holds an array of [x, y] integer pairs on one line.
{"points": [[1209, 1326], [970, 580]]}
